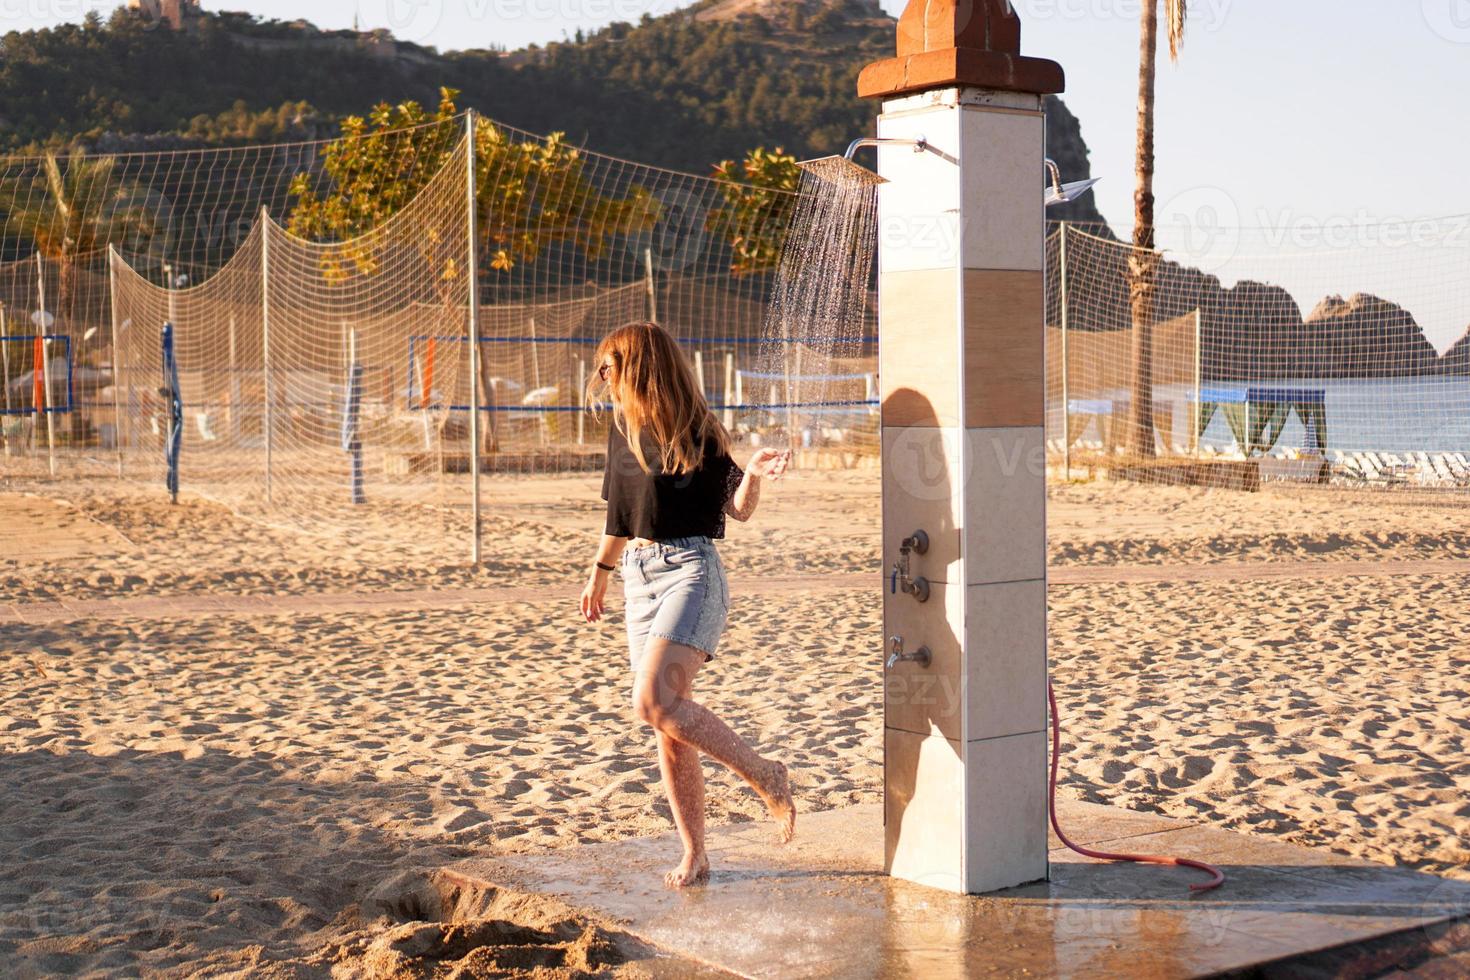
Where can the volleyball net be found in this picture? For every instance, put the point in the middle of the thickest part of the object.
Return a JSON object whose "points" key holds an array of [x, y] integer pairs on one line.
{"points": [[1284, 364], [369, 321]]}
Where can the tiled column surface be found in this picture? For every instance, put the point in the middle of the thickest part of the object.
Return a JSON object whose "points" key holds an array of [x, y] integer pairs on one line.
{"points": [[961, 366]]}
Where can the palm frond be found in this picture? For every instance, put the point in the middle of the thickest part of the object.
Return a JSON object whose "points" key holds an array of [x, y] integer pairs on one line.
{"points": [[56, 184], [1176, 12]]}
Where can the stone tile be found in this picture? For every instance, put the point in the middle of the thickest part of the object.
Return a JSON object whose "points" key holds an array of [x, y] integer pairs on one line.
{"points": [[1005, 811], [918, 209], [922, 486], [1005, 659], [925, 779], [923, 699], [1004, 536], [919, 348], [1001, 151], [1004, 348]]}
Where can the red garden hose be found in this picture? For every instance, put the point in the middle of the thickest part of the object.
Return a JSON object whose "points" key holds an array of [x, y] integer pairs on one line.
{"points": [[1218, 876]]}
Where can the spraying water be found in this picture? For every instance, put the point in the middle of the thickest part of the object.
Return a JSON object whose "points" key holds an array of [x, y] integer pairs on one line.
{"points": [[812, 372]]}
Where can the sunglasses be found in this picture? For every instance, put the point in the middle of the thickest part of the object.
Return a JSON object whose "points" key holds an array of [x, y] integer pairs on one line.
{"points": [[602, 371]]}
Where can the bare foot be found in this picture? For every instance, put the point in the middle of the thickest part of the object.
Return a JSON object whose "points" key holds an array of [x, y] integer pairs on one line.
{"points": [[775, 790], [693, 870]]}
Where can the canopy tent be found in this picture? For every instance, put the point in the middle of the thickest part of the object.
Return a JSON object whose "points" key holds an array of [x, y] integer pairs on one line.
{"points": [[1257, 416], [1114, 416]]}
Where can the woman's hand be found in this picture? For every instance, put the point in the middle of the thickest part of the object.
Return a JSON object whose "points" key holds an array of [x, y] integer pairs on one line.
{"points": [[593, 594], [769, 463]]}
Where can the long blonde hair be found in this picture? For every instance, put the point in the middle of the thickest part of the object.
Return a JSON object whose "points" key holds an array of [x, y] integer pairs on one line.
{"points": [[653, 387]]}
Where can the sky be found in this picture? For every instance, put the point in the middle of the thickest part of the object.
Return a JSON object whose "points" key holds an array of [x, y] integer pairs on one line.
{"points": [[1325, 130]]}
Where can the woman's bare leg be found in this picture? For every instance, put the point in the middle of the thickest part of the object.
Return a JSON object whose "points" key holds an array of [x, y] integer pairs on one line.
{"points": [[661, 697], [684, 782]]}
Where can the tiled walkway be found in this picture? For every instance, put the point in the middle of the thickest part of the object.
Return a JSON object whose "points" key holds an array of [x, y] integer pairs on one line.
{"points": [[328, 603], [821, 906]]}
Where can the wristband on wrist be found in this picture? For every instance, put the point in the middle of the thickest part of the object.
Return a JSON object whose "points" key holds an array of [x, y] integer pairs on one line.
{"points": [[605, 568]]}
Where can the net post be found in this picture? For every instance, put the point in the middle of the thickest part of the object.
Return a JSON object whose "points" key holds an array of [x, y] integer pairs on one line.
{"points": [[730, 390], [117, 416], [794, 354], [5, 379], [352, 437], [169, 282], [46, 407], [1066, 405], [581, 400], [472, 269], [543, 428], [535, 355], [652, 286], [265, 321], [699, 369], [1194, 415], [232, 419]]}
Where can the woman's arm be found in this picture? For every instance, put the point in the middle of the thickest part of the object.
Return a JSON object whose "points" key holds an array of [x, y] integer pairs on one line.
{"points": [[742, 502], [595, 591], [765, 463], [610, 550]]}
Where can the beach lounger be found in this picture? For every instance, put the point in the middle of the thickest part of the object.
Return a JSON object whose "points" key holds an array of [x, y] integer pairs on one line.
{"points": [[1372, 469]]}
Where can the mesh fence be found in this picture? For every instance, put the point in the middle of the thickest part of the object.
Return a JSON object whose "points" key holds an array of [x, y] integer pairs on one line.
{"points": [[325, 334], [1235, 385], [320, 295]]}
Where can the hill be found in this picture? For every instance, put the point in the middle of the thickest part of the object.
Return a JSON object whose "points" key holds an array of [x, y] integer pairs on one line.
{"points": [[684, 90]]}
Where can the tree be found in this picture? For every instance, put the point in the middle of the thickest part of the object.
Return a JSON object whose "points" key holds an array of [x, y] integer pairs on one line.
{"points": [[69, 211], [1143, 262], [530, 193], [760, 194]]}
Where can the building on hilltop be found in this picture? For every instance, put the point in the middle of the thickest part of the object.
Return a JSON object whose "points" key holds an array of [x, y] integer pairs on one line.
{"points": [[176, 13]]}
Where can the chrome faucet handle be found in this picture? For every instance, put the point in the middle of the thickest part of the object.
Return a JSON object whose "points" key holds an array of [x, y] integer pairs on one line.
{"points": [[901, 579], [921, 656], [918, 542]]}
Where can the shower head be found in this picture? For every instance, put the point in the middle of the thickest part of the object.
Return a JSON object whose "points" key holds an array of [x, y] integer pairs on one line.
{"points": [[841, 170], [1060, 193]]}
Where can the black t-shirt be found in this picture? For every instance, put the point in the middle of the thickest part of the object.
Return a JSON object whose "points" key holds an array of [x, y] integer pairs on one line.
{"points": [[659, 507]]}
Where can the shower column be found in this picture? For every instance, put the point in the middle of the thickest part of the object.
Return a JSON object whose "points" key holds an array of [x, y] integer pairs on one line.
{"points": [[961, 324]]}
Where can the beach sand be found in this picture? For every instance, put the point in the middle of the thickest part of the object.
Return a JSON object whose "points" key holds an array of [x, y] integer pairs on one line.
{"points": [[225, 795]]}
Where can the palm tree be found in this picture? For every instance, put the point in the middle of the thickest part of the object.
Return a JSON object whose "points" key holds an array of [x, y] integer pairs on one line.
{"points": [[67, 212], [1143, 261]]}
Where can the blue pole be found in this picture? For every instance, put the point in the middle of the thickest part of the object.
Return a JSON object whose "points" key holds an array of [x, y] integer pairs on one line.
{"points": [[351, 438], [173, 445]]}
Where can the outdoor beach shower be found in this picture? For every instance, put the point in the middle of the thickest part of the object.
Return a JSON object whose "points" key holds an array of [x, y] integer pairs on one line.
{"points": [[961, 389], [843, 169]]}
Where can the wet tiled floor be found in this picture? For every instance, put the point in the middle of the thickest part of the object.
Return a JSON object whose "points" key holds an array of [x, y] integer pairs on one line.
{"points": [[820, 907]]}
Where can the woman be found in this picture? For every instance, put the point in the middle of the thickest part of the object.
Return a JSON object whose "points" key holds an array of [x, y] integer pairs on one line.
{"points": [[669, 484]]}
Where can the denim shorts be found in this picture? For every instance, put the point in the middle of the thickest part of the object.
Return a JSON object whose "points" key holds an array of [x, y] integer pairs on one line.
{"points": [[675, 589]]}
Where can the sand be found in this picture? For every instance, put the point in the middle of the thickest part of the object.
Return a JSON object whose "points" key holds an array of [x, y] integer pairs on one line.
{"points": [[224, 795]]}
